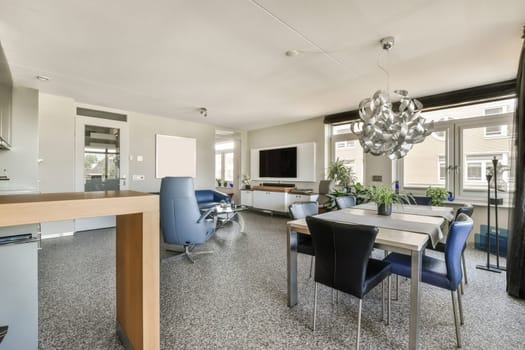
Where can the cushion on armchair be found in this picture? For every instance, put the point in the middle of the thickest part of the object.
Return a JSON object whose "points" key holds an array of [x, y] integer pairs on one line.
{"points": [[209, 198]]}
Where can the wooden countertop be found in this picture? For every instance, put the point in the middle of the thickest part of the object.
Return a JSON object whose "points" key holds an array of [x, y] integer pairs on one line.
{"points": [[273, 188], [33, 208]]}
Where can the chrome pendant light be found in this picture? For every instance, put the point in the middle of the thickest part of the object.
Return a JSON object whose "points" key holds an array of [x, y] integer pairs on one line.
{"points": [[384, 130]]}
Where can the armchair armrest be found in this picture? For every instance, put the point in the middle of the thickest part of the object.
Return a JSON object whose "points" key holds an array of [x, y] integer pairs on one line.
{"points": [[206, 214]]}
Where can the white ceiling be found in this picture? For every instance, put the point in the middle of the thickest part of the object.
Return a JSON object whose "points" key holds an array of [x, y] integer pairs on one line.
{"points": [[170, 57]]}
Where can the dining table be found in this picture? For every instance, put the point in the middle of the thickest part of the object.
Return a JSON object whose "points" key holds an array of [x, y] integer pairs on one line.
{"points": [[399, 232]]}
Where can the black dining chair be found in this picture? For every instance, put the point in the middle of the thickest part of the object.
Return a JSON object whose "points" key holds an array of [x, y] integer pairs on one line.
{"points": [[345, 202], [421, 200], [342, 261], [445, 273], [300, 210]]}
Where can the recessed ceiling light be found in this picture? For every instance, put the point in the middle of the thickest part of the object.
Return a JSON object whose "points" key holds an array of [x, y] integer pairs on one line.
{"points": [[43, 78]]}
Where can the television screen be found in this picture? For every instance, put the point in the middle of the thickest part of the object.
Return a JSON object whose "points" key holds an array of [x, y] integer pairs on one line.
{"points": [[280, 162]]}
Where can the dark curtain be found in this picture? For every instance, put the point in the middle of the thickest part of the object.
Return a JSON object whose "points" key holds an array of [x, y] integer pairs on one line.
{"points": [[516, 257]]}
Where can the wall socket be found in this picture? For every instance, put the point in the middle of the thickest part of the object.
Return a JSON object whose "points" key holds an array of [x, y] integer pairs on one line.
{"points": [[138, 177]]}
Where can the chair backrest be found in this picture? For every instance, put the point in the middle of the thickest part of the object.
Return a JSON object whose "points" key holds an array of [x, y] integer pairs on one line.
{"points": [[457, 237], [326, 186], [422, 200], [179, 212], [341, 253], [345, 202], [465, 210], [300, 210]]}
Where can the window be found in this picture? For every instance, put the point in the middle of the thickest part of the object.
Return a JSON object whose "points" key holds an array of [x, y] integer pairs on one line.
{"points": [[420, 167], [224, 161], [442, 164], [474, 170], [345, 144], [496, 131], [460, 152], [346, 147]]}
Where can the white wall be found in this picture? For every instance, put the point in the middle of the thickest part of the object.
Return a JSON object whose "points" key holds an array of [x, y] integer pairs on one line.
{"points": [[57, 149], [143, 129], [57, 152], [310, 130]]}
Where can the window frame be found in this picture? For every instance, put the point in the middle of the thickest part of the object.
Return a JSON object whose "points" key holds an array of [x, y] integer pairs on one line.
{"points": [[346, 137], [454, 151]]}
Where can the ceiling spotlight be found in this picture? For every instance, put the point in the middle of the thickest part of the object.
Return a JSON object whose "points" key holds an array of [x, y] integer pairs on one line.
{"points": [[43, 78], [203, 111], [291, 53]]}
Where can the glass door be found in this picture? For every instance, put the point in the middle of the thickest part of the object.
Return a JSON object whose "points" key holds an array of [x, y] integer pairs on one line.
{"points": [[102, 160]]}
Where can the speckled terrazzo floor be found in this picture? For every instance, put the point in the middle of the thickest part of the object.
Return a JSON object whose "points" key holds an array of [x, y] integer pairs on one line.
{"points": [[236, 299]]}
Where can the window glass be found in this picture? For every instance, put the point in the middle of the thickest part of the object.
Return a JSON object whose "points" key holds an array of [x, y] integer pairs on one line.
{"points": [[478, 151], [352, 155], [425, 165], [218, 166], [228, 166]]}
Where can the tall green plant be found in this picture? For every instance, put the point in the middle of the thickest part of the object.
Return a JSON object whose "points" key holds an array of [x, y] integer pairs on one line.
{"points": [[340, 174]]}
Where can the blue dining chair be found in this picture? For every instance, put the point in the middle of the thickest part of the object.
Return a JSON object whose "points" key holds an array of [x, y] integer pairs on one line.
{"points": [[342, 261], [446, 273], [345, 202], [440, 247], [181, 221]]}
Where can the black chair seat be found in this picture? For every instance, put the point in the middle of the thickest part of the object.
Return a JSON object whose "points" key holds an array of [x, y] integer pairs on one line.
{"points": [[376, 272], [304, 244], [440, 247]]}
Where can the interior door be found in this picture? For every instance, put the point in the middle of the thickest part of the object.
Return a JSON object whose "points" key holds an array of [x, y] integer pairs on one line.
{"points": [[102, 162]]}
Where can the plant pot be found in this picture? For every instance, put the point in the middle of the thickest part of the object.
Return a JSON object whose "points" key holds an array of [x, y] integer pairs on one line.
{"points": [[247, 187], [383, 209]]}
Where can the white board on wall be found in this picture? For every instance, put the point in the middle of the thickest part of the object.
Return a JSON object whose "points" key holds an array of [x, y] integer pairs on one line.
{"points": [[175, 156]]}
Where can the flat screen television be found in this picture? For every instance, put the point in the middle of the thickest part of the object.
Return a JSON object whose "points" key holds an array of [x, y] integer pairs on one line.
{"points": [[278, 162]]}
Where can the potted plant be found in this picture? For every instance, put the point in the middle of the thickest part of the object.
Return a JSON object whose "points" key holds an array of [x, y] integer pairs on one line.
{"points": [[246, 181], [340, 174], [384, 196], [438, 195]]}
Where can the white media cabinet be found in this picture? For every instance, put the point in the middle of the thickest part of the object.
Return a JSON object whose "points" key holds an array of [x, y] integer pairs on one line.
{"points": [[275, 199]]}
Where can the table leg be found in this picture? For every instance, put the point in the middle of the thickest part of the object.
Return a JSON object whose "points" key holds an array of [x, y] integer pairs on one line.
{"points": [[415, 298], [138, 276], [292, 267]]}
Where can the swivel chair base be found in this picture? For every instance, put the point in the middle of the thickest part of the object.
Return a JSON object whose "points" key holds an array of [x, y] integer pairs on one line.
{"points": [[188, 253]]}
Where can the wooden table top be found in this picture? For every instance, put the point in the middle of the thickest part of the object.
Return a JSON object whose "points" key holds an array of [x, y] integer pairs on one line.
{"points": [[34, 208]]}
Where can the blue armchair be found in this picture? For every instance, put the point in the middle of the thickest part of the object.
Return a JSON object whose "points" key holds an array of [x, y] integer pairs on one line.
{"points": [[181, 220], [210, 198]]}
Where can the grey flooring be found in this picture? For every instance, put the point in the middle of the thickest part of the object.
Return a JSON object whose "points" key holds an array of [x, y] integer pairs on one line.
{"points": [[236, 299]]}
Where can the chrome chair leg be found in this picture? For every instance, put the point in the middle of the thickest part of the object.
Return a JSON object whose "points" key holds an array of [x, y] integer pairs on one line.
{"points": [[359, 323], [311, 266], [187, 253], [315, 306], [461, 320], [456, 322], [464, 267], [397, 288], [382, 301], [461, 286], [389, 310]]}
